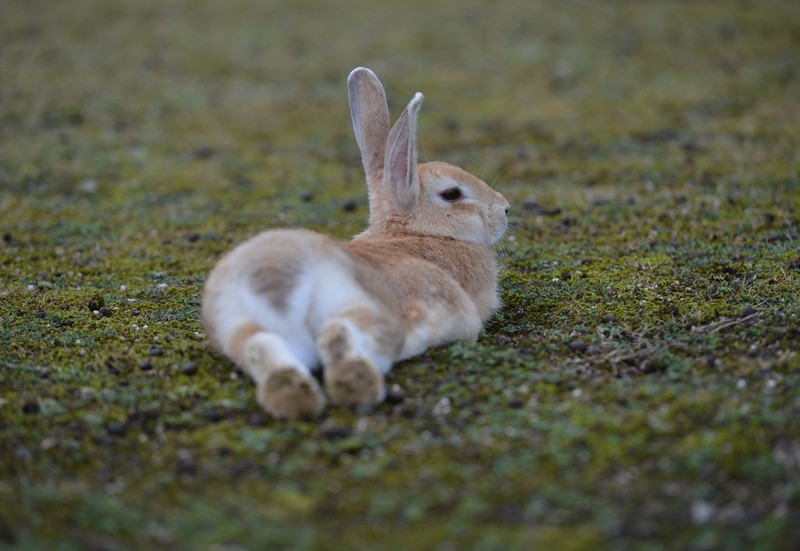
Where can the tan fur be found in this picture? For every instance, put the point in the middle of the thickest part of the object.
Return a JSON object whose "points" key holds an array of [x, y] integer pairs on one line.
{"points": [[289, 395], [276, 279], [238, 341], [351, 379], [423, 273]]}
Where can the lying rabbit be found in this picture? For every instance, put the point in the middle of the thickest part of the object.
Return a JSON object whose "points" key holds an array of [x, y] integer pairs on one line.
{"points": [[290, 300]]}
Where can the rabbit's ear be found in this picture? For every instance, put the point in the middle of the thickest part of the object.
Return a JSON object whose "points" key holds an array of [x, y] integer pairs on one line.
{"points": [[400, 164], [370, 116]]}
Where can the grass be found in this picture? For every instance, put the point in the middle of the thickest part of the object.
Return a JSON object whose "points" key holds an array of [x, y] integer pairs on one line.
{"points": [[639, 390]]}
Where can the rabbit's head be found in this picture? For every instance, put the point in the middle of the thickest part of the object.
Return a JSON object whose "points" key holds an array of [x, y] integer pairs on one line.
{"points": [[430, 199]]}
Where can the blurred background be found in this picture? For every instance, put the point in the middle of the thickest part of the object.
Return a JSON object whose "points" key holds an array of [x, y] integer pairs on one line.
{"points": [[112, 92]]}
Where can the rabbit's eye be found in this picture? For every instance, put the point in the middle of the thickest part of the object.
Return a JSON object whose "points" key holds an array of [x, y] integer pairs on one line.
{"points": [[452, 194]]}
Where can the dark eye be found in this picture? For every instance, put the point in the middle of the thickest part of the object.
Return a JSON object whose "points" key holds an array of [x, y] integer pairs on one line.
{"points": [[452, 194]]}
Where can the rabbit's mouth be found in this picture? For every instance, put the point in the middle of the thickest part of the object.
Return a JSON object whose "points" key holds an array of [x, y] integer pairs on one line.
{"points": [[499, 232]]}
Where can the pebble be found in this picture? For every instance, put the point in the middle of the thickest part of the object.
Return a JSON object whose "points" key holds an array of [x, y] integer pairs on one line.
{"points": [[578, 346], [334, 432], [749, 311], [516, 402], [395, 395], [192, 237], [702, 512], [189, 369], [609, 319], [88, 186], [203, 152], [156, 351], [531, 204], [535, 207], [350, 205], [214, 416], [185, 463], [257, 419], [224, 451], [593, 350], [31, 406], [115, 428], [105, 312], [307, 196], [145, 365]]}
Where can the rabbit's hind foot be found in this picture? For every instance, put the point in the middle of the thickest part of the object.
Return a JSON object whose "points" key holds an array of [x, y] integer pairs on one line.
{"points": [[285, 389], [352, 378]]}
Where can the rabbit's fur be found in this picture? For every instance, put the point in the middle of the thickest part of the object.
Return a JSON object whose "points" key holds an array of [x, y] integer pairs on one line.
{"points": [[422, 274]]}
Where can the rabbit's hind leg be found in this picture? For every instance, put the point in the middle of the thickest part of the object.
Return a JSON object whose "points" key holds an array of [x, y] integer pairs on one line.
{"points": [[285, 387], [356, 350]]}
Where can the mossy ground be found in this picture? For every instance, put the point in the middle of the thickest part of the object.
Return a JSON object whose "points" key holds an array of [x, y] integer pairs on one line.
{"points": [[638, 391]]}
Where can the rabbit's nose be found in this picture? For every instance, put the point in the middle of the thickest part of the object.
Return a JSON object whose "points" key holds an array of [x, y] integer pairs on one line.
{"points": [[508, 209]]}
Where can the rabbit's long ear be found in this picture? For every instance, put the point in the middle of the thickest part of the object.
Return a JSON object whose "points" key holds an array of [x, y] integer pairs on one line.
{"points": [[400, 164], [370, 115]]}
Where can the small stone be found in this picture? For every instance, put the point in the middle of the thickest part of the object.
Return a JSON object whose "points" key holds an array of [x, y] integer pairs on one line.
{"points": [[578, 346], [31, 407], [21, 453], [593, 350], [224, 451], [451, 125], [335, 432], [115, 428], [307, 196], [516, 402], [532, 205], [105, 312], [156, 351], [257, 419], [214, 416], [395, 395], [702, 512], [88, 186], [609, 319], [192, 237], [749, 311], [185, 463], [203, 152], [145, 365], [349, 205], [443, 407], [243, 467], [102, 440], [189, 369]]}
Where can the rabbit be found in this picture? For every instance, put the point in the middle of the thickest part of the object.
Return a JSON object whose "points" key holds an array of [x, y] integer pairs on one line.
{"points": [[290, 301]]}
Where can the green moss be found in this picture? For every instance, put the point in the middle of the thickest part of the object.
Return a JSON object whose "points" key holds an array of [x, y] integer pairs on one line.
{"points": [[637, 390]]}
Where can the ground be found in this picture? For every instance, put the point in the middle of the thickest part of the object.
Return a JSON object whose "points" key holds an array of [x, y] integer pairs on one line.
{"points": [[639, 389]]}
